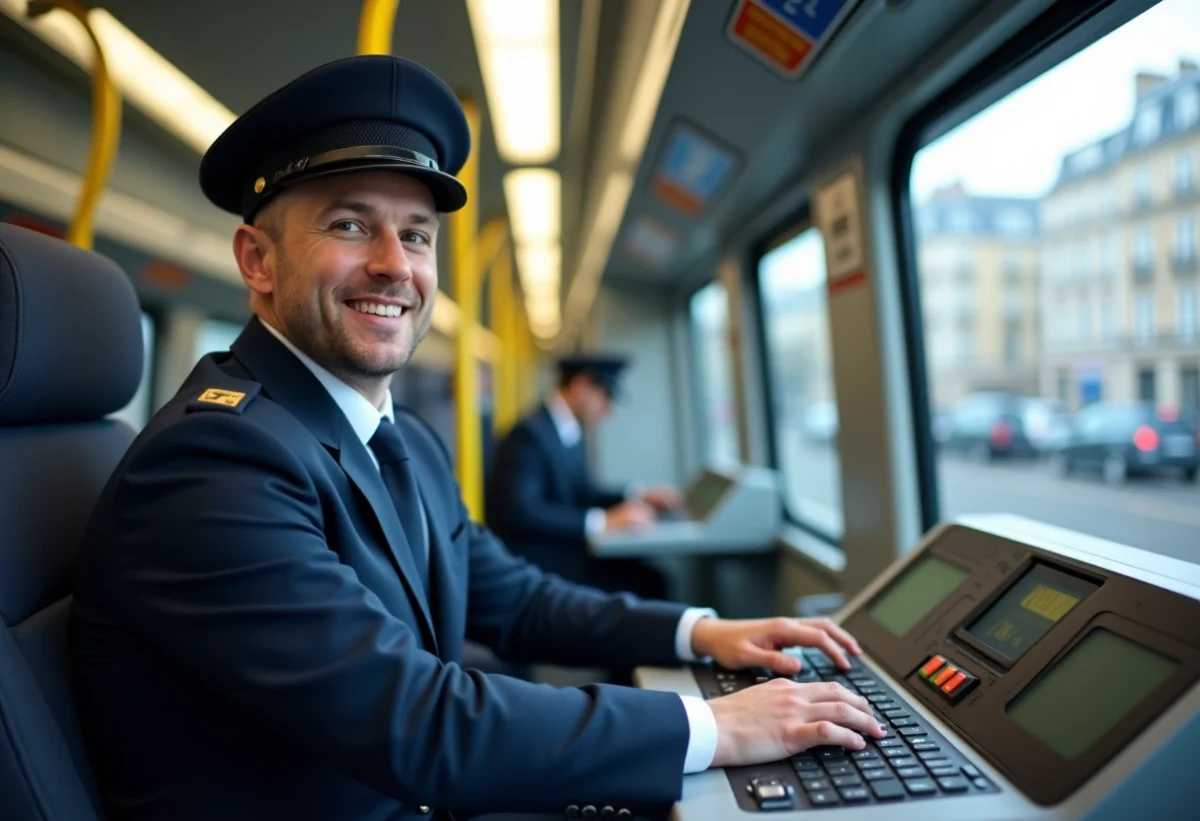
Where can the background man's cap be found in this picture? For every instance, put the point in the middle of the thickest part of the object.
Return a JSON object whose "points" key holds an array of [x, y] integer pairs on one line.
{"points": [[365, 112], [604, 369]]}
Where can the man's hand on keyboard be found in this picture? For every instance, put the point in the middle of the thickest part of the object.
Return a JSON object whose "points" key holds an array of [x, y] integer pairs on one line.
{"points": [[735, 644], [780, 718]]}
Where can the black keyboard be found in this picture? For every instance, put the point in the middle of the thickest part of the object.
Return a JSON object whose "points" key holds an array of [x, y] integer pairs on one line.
{"points": [[912, 762]]}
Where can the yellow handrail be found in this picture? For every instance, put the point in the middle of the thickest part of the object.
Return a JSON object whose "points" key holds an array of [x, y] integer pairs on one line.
{"points": [[503, 322], [376, 25], [106, 126], [464, 265]]}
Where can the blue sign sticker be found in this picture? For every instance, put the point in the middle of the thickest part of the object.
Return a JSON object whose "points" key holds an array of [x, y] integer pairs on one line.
{"points": [[809, 17], [692, 170]]}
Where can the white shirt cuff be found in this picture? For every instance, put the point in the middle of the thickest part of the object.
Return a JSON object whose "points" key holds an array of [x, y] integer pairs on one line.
{"points": [[702, 739], [593, 525], [683, 633]]}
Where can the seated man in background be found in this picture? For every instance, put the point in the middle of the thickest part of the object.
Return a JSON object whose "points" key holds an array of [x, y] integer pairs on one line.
{"points": [[542, 501]]}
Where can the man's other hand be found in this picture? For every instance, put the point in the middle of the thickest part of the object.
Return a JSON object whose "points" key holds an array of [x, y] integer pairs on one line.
{"points": [[779, 718], [663, 498], [735, 644], [628, 516]]}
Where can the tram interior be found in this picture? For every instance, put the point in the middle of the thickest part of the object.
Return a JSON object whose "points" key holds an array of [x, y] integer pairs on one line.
{"points": [[909, 294]]}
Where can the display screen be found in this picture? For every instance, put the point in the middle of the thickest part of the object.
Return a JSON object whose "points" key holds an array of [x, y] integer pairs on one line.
{"points": [[924, 585], [1031, 607], [1092, 688], [702, 497]]}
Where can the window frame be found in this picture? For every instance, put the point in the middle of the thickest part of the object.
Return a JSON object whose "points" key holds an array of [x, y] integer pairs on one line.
{"points": [[792, 225], [1057, 34], [701, 428]]}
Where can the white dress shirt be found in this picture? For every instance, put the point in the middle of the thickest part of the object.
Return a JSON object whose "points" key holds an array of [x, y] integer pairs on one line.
{"points": [[364, 418]]}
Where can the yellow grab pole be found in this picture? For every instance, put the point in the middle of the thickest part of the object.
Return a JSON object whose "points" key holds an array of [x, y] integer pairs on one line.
{"points": [[376, 25], [504, 325], [464, 265], [106, 126]]}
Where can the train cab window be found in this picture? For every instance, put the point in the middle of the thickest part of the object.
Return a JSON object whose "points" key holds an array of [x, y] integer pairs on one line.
{"points": [[709, 324], [1061, 199], [137, 413], [791, 284]]}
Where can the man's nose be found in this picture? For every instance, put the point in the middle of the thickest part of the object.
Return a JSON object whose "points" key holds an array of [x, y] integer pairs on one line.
{"points": [[389, 258]]}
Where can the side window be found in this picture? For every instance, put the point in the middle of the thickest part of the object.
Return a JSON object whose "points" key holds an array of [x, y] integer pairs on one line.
{"points": [[1076, 336], [137, 413], [214, 335], [709, 320], [791, 280]]}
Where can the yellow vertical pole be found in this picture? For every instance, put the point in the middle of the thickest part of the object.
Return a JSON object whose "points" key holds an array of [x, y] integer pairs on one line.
{"points": [[375, 26], [106, 127], [464, 265], [504, 325]]}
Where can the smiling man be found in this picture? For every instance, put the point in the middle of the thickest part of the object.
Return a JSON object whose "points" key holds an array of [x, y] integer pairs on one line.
{"points": [[276, 585]]}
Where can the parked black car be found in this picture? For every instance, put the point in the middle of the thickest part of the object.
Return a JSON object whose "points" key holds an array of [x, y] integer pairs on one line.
{"points": [[1120, 440]]}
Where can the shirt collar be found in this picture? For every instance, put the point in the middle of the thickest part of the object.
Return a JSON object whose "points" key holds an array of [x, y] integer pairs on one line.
{"points": [[362, 415], [564, 420]]}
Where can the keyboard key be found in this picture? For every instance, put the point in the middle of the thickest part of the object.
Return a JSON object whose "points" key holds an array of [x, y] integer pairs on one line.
{"points": [[807, 765], [906, 761], [868, 690], [912, 732], [840, 769], [897, 721], [864, 755], [880, 699], [955, 783], [920, 786], [943, 772], [887, 790], [830, 753], [894, 712], [884, 743], [981, 783], [816, 784], [933, 760], [847, 781], [877, 775], [926, 746], [824, 798], [895, 752], [971, 771], [910, 772], [853, 794]]}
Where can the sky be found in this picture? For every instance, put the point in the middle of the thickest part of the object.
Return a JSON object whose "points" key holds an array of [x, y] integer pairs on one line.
{"points": [[1015, 147]]}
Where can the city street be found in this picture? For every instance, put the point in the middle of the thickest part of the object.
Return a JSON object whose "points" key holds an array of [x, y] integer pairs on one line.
{"points": [[1159, 514]]}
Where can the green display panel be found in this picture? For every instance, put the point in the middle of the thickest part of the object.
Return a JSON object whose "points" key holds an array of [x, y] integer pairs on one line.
{"points": [[910, 598], [1029, 609], [1085, 694]]}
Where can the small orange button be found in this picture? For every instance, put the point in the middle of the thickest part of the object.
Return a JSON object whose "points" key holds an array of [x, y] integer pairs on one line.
{"points": [[956, 680], [942, 677], [932, 666]]}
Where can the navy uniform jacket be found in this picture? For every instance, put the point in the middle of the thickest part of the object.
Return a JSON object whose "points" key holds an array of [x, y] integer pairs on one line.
{"points": [[251, 640], [539, 494]]}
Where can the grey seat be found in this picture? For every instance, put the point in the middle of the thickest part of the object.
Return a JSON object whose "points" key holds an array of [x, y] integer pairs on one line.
{"points": [[70, 353]]}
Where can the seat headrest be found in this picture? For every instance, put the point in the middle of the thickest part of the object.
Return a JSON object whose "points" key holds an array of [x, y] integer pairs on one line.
{"points": [[70, 331]]}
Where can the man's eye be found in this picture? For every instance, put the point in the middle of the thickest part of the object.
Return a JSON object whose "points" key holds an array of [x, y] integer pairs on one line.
{"points": [[346, 225], [413, 236]]}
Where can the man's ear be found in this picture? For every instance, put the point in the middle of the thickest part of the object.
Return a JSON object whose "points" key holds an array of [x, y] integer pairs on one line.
{"points": [[251, 248]]}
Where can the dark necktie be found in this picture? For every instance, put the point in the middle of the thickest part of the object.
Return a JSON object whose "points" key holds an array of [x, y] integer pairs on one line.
{"points": [[397, 472]]}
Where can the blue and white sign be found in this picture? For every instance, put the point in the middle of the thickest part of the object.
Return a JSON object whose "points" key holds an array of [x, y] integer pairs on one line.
{"points": [[810, 17], [692, 170]]}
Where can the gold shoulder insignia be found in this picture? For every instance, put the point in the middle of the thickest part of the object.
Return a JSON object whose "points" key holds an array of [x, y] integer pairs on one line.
{"points": [[230, 399]]}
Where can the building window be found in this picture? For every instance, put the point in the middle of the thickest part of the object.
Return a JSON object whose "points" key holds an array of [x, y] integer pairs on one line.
{"points": [[1108, 256], [709, 320], [1185, 319], [1145, 317], [1184, 246], [1085, 323], [1143, 246], [1187, 108], [1141, 185], [1184, 166], [1189, 387], [791, 278], [1148, 124], [1012, 343], [1146, 386], [1108, 320]]}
